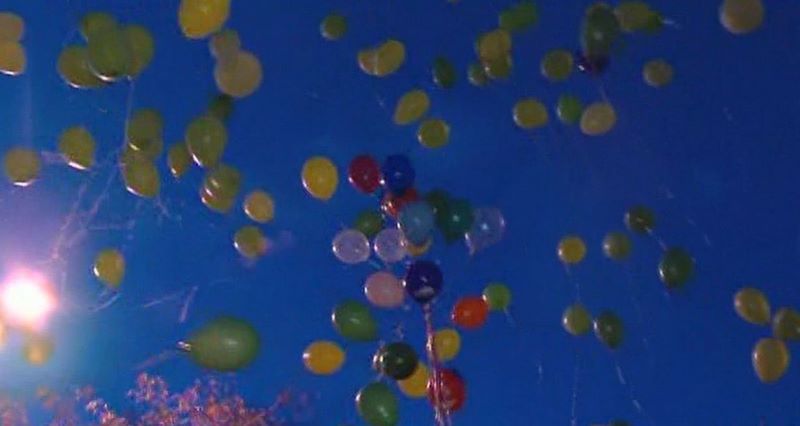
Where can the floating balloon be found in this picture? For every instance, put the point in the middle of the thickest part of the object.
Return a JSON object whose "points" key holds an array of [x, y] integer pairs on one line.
{"points": [[488, 228], [657, 73], [22, 166], [598, 119], [109, 268], [786, 324], [591, 65], [221, 107], [216, 203], [423, 280], [382, 60], [364, 173], [333, 27], [571, 249], [377, 405], [320, 177], [616, 245], [239, 77], [518, 17], [224, 344], [259, 206], [384, 290], [493, 45], [77, 147], [455, 219], [556, 65], [398, 173], [13, 59], [633, 15], [141, 176], [110, 54], [12, 27], [94, 22], [476, 75], [416, 385], [599, 31], [470, 312], [419, 249], [609, 329], [576, 320], [178, 159], [354, 321], [433, 133], [444, 73], [223, 181], [397, 360], [498, 69], [676, 267], [452, 392], [640, 219], [73, 67], [201, 18], [497, 296], [392, 204], [741, 16], [416, 221], [250, 242], [38, 350], [569, 109], [390, 245], [411, 107], [770, 359], [225, 45], [142, 47], [206, 138], [351, 246], [752, 306], [369, 223], [447, 342], [145, 131], [530, 114], [323, 357]]}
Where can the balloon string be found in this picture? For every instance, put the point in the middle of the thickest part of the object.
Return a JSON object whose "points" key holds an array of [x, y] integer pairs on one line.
{"points": [[660, 242], [442, 415]]}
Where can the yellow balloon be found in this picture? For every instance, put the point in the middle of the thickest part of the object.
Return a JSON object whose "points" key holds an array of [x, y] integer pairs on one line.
{"points": [[215, 203], [741, 16], [141, 176], [142, 48], [320, 177], [770, 359], [657, 73], [178, 159], [201, 18], [77, 147], [493, 45], [145, 132], [598, 118], [109, 267], [239, 77], [447, 342], [73, 67], [752, 306], [530, 113], [12, 27], [433, 133], [225, 45], [12, 58], [259, 206], [323, 357], [415, 386], [382, 60], [571, 249], [38, 350], [411, 107], [250, 242], [22, 166], [419, 250]]}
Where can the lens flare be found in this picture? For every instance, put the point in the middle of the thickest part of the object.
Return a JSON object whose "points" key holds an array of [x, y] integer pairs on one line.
{"points": [[26, 300]]}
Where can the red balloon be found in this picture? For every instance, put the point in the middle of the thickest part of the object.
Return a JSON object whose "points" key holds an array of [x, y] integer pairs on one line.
{"points": [[392, 204], [364, 173], [452, 390], [470, 312]]}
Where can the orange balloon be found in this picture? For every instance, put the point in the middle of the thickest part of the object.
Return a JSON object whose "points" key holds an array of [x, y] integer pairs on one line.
{"points": [[470, 312]]}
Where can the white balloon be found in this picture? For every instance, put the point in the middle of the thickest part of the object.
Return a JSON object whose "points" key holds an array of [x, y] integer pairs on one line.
{"points": [[390, 245], [351, 246]]}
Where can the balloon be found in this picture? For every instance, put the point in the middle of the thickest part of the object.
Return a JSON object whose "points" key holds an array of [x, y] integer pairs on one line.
{"points": [[398, 173], [529, 113], [576, 320], [392, 204], [676, 267], [609, 329], [741, 16], [455, 219], [22, 166], [239, 77], [12, 27], [569, 109], [657, 73], [259, 206], [416, 222], [786, 324], [423, 280], [420, 249], [438, 200], [141, 177], [571, 249], [640, 219], [382, 60], [354, 321], [416, 385], [488, 228], [470, 312], [221, 107], [770, 359], [364, 173], [145, 132], [142, 47], [390, 245], [384, 290], [250, 242], [616, 245], [411, 107], [333, 27], [377, 405], [598, 119], [476, 75], [206, 138], [216, 203], [451, 387], [599, 30], [38, 350], [225, 45], [94, 22], [351, 246], [13, 60], [222, 182], [444, 73], [201, 18], [73, 66], [752, 306], [77, 147], [433, 133], [497, 296], [178, 159], [556, 65], [499, 68], [110, 55], [109, 267], [323, 357], [224, 344], [633, 15], [493, 45], [369, 223], [320, 177], [519, 17], [591, 65], [397, 360], [447, 342]]}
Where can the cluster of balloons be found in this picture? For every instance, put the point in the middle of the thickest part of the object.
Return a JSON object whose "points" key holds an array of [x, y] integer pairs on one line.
{"points": [[413, 105], [238, 72], [12, 54], [770, 355]]}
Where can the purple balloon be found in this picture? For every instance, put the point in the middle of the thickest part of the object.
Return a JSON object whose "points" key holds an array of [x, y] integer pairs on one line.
{"points": [[423, 281]]}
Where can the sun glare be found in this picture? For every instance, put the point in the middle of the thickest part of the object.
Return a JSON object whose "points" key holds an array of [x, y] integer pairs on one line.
{"points": [[26, 300]]}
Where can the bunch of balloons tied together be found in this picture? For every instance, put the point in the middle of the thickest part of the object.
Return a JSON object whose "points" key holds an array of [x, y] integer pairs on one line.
{"points": [[770, 355], [675, 268]]}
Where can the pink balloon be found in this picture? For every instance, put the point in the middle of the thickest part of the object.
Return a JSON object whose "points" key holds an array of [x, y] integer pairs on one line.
{"points": [[384, 290]]}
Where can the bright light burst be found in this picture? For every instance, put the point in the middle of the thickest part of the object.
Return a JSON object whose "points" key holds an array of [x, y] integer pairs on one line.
{"points": [[26, 300]]}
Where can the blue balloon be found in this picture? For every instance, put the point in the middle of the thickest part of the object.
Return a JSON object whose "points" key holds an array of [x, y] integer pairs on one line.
{"points": [[398, 174], [416, 222], [423, 281]]}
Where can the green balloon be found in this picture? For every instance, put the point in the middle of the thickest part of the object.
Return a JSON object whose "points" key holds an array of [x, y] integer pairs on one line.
{"points": [[145, 132], [600, 30], [438, 200], [377, 405], [110, 54], [640, 219], [206, 138], [223, 181], [556, 65], [569, 109], [576, 320], [369, 223], [444, 73], [141, 176], [333, 27], [221, 107], [609, 329], [354, 321], [617, 245], [476, 75], [786, 324], [397, 360], [455, 220], [224, 344], [499, 68], [142, 48], [94, 22], [518, 17], [497, 296], [676, 267]]}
